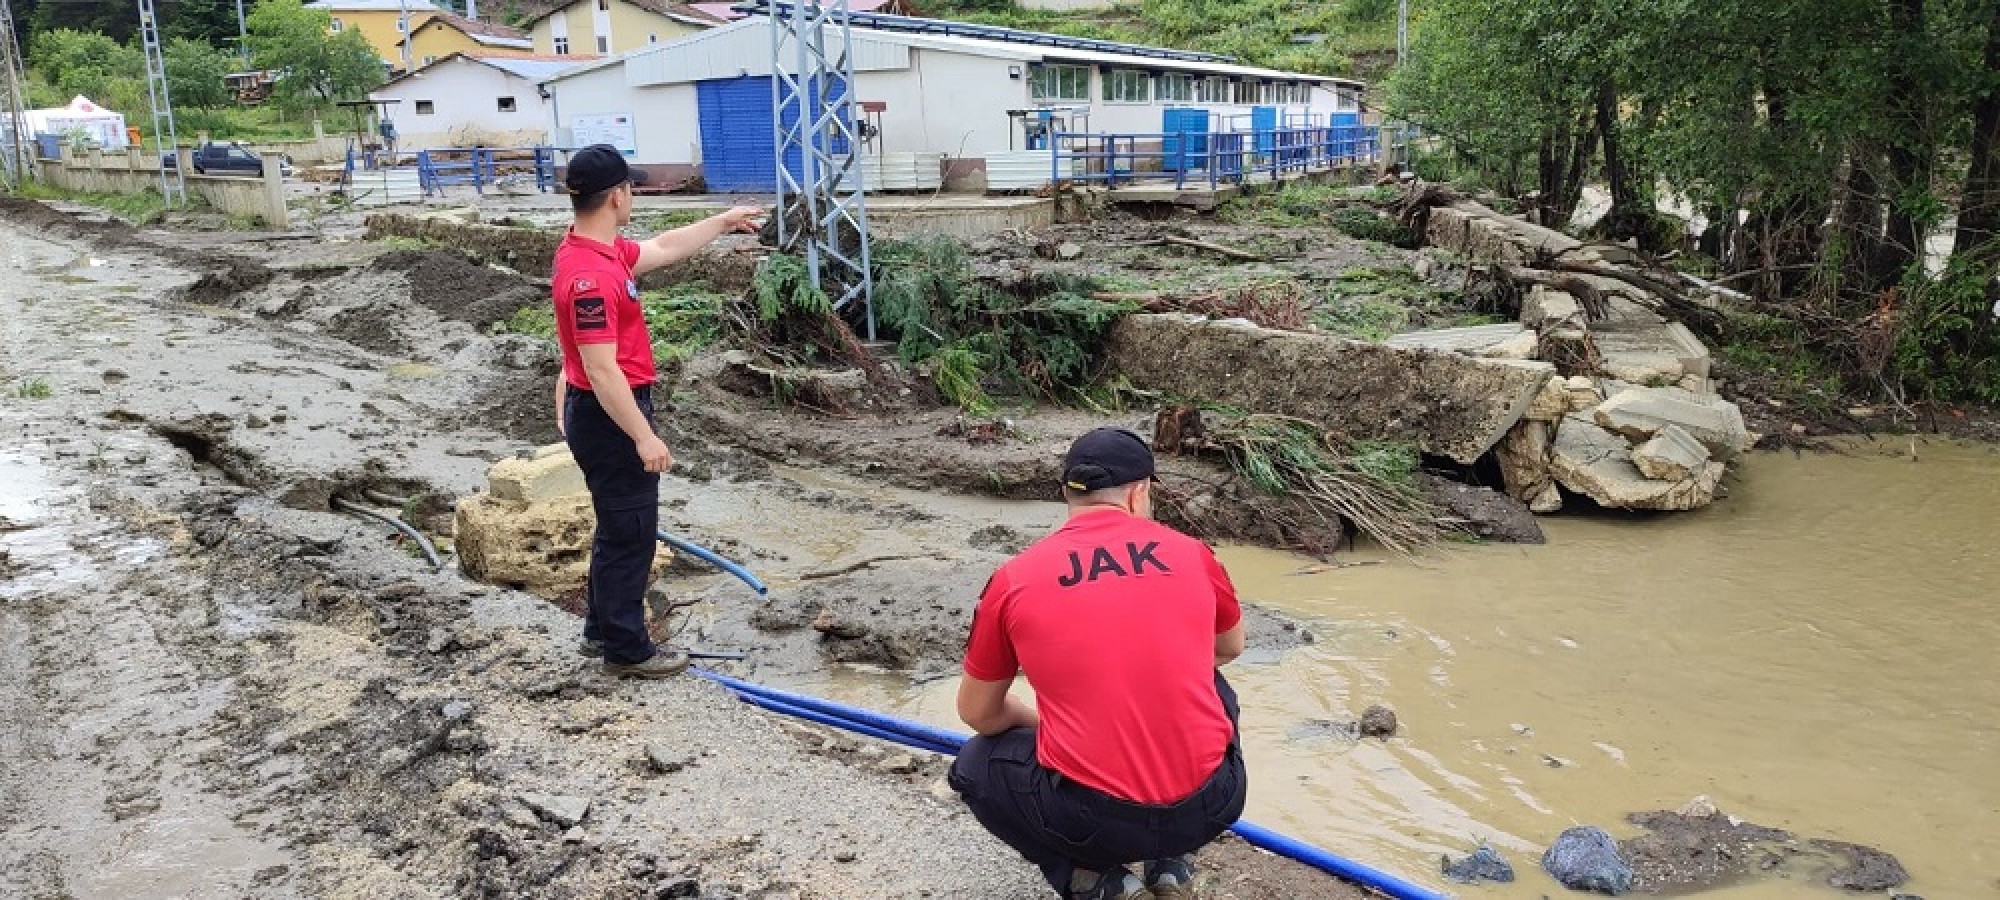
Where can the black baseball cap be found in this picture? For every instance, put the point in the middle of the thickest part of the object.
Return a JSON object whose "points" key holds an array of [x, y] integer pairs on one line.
{"points": [[599, 167], [1106, 458]]}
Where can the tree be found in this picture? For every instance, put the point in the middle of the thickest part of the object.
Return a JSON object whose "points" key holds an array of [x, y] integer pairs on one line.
{"points": [[85, 63], [196, 72], [209, 21], [116, 19], [315, 68]]}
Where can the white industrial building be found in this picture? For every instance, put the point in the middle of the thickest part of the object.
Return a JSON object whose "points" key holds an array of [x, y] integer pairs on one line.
{"points": [[473, 100], [702, 105]]}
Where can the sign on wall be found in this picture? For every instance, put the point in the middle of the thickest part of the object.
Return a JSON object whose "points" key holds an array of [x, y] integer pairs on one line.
{"points": [[616, 129]]}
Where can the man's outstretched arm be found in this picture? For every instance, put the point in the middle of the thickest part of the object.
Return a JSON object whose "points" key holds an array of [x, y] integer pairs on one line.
{"points": [[669, 247]]}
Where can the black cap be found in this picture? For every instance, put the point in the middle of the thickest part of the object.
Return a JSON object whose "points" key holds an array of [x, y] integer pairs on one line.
{"points": [[599, 167], [1106, 458]]}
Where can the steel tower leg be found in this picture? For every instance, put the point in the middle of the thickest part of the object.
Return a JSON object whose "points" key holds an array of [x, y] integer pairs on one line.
{"points": [[173, 184], [822, 211], [16, 160]]}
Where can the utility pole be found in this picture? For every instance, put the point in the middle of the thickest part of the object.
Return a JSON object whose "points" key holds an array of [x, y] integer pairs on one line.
{"points": [[173, 186], [404, 26], [242, 31], [16, 162], [821, 211], [1402, 31]]}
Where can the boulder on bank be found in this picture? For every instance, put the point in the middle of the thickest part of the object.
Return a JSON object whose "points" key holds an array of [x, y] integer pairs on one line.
{"points": [[531, 529], [1484, 864], [1586, 859], [1447, 404], [1598, 464]]}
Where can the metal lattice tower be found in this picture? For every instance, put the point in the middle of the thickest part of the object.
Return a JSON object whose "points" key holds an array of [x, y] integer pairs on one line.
{"points": [[173, 183], [821, 212], [16, 160]]}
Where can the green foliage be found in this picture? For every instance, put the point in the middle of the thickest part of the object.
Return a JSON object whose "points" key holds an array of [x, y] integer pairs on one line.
{"points": [[319, 67], [683, 320], [783, 286], [1368, 225], [1392, 462], [194, 74], [89, 64], [1949, 347], [534, 320], [33, 389], [211, 22], [1039, 341], [143, 208]]}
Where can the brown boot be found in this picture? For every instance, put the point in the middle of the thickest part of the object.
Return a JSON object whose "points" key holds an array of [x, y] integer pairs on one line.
{"points": [[666, 663]]}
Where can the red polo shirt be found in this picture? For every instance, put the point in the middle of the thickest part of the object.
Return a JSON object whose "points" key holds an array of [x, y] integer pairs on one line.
{"points": [[1113, 618], [597, 302]]}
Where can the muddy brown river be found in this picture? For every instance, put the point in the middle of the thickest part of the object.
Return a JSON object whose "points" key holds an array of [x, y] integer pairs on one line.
{"points": [[1815, 653]]}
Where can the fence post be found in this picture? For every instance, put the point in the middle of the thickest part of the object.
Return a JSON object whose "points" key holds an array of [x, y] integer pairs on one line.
{"points": [[276, 216]]}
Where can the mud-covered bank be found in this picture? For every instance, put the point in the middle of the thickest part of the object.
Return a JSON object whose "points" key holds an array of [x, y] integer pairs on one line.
{"points": [[360, 727]]}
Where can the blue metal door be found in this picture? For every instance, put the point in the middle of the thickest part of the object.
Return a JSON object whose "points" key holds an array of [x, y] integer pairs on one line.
{"points": [[1193, 123], [1264, 122], [738, 143]]}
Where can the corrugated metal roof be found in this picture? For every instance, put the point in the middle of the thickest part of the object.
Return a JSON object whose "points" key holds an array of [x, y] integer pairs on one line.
{"points": [[535, 70]]}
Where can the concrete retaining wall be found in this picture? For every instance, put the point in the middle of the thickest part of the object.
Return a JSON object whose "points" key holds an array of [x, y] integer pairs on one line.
{"points": [[138, 171]]}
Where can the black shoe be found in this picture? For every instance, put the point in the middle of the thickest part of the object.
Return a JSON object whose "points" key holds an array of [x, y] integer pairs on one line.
{"points": [[665, 663], [1171, 879], [590, 648], [1117, 884]]}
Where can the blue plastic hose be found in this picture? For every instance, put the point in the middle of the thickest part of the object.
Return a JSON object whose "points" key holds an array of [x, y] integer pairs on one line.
{"points": [[714, 559], [937, 740]]}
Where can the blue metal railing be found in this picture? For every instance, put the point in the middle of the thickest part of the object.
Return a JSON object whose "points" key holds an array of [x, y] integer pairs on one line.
{"points": [[1226, 157]]}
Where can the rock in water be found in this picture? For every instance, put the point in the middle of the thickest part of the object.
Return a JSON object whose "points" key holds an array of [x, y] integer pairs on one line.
{"points": [[1586, 859], [1378, 721], [1484, 864], [1868, 869]]}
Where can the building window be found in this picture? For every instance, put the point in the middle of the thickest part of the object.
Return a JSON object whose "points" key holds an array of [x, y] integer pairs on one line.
{"points": [[1127, 86], [426, 107], [402, 25], [652, 39], [1213, 89], [1244, 93], [335, 26], [603, 5], [1049, 83], [430, 59], [506, 104], [1177, 89], [562, 46], [603, 44]]}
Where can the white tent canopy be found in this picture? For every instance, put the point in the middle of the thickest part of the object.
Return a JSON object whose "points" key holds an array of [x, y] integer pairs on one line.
{"points": [[105, 127]]}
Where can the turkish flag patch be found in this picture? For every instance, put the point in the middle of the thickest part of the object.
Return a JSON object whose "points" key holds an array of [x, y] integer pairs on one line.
{"points": [[590, 314]]}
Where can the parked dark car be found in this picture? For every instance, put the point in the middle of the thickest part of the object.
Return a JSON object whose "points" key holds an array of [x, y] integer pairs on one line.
{"points": [[225, 159]]}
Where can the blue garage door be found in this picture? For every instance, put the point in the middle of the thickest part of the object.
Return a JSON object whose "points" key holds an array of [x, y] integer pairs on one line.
{"points": [[737, 140]]}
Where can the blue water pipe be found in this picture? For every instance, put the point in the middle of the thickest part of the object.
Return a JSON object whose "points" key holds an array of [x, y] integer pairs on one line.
{"points": [[714, 559], [947, 743]]}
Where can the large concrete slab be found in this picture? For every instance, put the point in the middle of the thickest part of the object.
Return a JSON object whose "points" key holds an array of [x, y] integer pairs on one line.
{"points": [[1598, 464], [1470, 339], [1474, 231], [1640, 413], [1447, 404]]}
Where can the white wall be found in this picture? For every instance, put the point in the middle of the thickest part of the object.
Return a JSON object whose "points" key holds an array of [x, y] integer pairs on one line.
{"points": [[946, 103], [465, 101], [667, 127]]}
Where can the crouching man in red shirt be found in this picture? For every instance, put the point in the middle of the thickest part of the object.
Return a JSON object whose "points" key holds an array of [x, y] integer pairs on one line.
{"points": [[1131, 754]]}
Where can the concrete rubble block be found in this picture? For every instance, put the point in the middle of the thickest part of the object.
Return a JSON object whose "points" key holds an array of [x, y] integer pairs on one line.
{"points": [[1463, 340], [1553, 403], [1546, 306], [1472, 230], [1583, 392], [1640, 413], [1447, 404], [1521, 346], [1523, 456], [1672, 455], [547, 474], [532, 531], [1598, 464], [1694, 355], [462, 215]]}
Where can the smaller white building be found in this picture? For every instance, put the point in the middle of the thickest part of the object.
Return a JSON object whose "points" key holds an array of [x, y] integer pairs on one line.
{"points": [[473, 100], [81, 118]]}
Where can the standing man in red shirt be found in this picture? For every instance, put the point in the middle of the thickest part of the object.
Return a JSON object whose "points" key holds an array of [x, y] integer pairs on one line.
{"points": [[604, 397], [1131, 753]]}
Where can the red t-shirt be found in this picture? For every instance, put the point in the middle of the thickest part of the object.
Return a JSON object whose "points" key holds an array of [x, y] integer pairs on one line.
{"points": [[1113, 619], [597, 302]]}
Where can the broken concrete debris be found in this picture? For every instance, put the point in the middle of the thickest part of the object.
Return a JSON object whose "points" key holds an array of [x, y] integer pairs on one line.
{"points": [[1640, 413], [568, 812], [1598, 464], [1672, 455], [532, 526]]}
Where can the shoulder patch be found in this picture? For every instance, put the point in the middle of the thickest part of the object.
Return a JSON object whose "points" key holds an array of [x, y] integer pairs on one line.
{"points": [[590, 314], [582, 285]]}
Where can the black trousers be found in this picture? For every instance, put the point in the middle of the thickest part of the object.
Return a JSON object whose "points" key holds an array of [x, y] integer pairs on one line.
{"points": [[1061, 826], [626, 500]]}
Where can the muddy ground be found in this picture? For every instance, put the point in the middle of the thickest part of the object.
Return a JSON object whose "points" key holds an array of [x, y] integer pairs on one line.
{"points": [[213, 683]]}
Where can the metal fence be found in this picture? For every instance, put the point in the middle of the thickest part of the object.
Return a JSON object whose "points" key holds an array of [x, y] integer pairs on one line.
{"points": [[1211, 158]]}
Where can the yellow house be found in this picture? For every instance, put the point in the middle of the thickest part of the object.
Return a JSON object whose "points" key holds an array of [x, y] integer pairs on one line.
{"points": [[448, 33], [381, 22], [609, 27]]}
